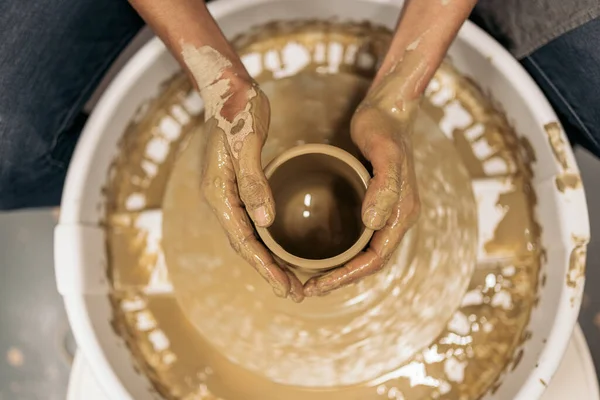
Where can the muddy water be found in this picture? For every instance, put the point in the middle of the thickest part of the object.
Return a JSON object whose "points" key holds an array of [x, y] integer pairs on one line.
{"points": [[201, 325]]}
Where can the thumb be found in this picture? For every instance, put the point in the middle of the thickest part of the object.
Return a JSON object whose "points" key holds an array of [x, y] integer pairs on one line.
{"points": [[253, 186]]}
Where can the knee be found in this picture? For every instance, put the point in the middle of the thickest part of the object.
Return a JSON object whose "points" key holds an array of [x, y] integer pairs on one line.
{"points": [[26, 172], [572, 88]]}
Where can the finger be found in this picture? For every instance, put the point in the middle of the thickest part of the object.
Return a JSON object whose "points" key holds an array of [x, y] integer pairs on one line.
{"points": [[385, 241], [296, 288], [243, 240], [363, 265], [383, 193], [255, 192], [221, 193], [383, 244], [253, 186]]}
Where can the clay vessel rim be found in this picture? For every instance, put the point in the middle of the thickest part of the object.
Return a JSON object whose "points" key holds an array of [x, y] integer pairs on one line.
{"points": [[348, 254]]}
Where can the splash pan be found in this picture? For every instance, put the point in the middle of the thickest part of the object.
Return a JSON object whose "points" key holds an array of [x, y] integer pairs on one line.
{"points": [[460, 321]]}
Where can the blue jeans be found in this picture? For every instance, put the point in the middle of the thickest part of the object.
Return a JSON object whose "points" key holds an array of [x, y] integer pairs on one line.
{"points": [[53, 54]]}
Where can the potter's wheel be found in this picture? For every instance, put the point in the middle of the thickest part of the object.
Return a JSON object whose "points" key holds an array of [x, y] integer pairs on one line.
{"points": [[575, 378], [200, 323]]}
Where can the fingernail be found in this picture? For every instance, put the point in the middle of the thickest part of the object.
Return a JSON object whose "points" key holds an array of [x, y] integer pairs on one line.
{"points": [[373, 219], [279, 292], [261, 217]]}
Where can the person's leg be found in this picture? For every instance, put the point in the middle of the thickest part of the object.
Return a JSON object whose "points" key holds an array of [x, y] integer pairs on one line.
{"points": [[52, 56], [567, 69]]}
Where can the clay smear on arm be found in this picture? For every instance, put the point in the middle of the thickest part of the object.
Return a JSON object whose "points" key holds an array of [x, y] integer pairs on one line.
{"points": [[212, 73]]}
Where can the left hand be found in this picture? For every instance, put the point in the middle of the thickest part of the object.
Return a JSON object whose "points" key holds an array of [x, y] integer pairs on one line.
{"points": [[391, 205]]}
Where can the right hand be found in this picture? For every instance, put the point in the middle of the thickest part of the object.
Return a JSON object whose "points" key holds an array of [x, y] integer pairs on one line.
{"points": [[234, 184], [391, 205]]}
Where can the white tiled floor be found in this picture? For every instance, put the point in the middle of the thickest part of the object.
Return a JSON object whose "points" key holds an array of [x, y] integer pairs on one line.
{"points": [[33, 323]]}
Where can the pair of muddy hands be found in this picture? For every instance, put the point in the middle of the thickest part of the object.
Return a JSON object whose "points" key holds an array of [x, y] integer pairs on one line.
{"points": [[234, 185]]}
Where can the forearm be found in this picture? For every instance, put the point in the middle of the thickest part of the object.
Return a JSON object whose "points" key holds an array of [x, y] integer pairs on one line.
{"points": [[425, 31], [187, 24]]}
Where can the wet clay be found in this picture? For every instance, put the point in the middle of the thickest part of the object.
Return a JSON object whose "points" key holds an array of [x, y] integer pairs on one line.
{"points": [[320, 190], [318, 199], [223, 335], [315, 357], [233, 183]]}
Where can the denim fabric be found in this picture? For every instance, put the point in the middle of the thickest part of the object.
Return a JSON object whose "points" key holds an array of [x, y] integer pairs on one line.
{"points": [[523, 26], [53, 54], [568, 71]]}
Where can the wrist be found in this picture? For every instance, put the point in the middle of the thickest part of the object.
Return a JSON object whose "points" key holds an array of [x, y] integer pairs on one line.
{"points": [[238, 90], [236, 69], [394, 94], [238, 77], [374, 117]]}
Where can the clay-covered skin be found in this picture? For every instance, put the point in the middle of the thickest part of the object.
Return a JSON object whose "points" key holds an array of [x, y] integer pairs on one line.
{"points": [[233, 183], [237, 113], [381, 128]]}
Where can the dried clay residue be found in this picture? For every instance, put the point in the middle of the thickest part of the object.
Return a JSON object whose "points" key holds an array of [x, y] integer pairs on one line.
{"points": [[569, 178], [207, 66], [577, 262]]}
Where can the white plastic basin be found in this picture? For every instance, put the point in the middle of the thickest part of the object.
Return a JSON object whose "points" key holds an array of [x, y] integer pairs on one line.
{"points": [[80, 242]]}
